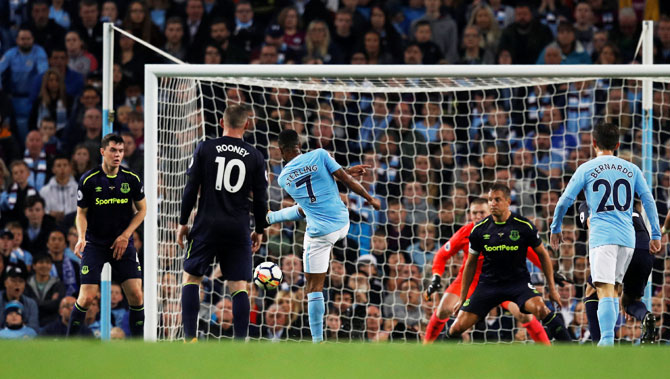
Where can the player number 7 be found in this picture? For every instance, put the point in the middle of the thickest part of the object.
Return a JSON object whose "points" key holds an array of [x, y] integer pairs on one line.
{"points": [[307, 181]]}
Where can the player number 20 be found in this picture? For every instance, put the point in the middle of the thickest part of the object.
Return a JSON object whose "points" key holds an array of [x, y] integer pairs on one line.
{"points": [[616, 203], [224, 171]]}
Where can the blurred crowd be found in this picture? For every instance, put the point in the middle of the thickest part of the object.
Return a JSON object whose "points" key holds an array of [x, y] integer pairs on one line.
{"points": [[431, 154]]}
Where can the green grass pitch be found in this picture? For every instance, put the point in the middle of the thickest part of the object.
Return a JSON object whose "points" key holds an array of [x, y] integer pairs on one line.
{"points": [[121, 359]]}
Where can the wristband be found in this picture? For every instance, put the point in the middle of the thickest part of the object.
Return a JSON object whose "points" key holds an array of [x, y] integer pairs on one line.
{"points": [[664, 231]]}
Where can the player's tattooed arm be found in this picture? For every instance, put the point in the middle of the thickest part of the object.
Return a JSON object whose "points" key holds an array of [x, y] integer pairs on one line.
{"points": [[355, 186]]}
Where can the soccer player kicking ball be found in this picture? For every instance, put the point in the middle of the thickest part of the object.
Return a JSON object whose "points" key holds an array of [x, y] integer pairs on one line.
{"points": [[310, 180], [479, 209], [105, 223], [225, 171], [609, 184], [504, 238], [634, 282]]}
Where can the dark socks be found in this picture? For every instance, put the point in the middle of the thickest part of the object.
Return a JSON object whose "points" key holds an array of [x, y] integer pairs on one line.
{"points": [[556, 327], [591, 307], [241, 309], [76, 320], [190, 305], [136, 320], [637, 309]]}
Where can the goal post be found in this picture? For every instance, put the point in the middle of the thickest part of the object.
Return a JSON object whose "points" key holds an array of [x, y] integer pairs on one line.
{"points": [[183, 102]]}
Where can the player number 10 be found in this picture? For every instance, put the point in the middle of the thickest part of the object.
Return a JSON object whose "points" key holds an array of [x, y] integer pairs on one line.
{"points": [[224, 171]]}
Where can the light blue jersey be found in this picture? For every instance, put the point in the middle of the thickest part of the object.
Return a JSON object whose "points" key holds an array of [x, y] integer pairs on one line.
{"points": [[609, 184], [309, 181]]}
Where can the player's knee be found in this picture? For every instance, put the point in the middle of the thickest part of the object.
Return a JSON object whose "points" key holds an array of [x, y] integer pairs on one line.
{"points": [[456, 329], [443, 312], [541, 312], [524, 318], [85, 300]]}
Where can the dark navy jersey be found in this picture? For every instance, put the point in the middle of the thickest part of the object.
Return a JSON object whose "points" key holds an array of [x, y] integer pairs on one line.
{"points": [[504, 246], [226, 171], [109, 200], [641, 232]]}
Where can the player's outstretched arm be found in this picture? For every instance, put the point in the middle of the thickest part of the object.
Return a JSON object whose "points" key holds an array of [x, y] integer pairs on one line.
{"points": [[358, 170], [81, 224], [293, 213], [121, 243], [548, 271], [355, 186]]}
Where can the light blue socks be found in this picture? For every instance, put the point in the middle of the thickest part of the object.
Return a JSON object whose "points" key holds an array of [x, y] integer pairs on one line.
{"points": [[316, 308], [607, 316]]}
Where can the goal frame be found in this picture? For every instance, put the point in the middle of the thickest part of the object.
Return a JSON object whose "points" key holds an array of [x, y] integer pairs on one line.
{"points": [[153, 72]]}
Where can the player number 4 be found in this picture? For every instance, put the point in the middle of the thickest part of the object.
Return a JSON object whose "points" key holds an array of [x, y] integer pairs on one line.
{"points": [[224, 172]]}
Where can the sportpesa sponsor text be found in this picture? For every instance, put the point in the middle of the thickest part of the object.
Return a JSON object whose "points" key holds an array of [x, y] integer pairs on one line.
{"points": [[99, 201]]}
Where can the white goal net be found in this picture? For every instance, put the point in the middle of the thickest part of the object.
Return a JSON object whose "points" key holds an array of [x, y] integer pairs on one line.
{"points": [[435, 143]]}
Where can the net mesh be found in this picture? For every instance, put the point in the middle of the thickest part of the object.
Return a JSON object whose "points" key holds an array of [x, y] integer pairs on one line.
{"points": [[434, 144]]}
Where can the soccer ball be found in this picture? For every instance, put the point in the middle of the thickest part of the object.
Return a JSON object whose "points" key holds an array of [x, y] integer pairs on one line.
{"points": [[267, 276]]}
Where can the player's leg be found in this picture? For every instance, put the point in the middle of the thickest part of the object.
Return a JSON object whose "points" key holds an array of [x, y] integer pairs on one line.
{"points": [[591, 308], [464, 321], [551, 320], [130, 276], [241, 308], [535, 329], [634, 283], [483, 298], [236, 268], [190, 305], [93, 258], [316, 257], [132, 288], [197, 261], [440, 316], [603, 261], [87, 293]]}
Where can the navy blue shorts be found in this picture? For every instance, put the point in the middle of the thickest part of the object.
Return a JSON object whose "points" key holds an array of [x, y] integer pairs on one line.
{"points": [[234, 259], [95, 256], [490, 295], [637, 274]]}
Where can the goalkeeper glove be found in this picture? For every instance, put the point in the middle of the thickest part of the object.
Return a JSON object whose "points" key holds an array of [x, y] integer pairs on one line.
{"points": [[561, 279], [434, 286]]}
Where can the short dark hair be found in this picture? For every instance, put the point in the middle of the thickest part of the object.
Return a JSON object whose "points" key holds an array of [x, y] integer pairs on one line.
{"points": [[235, 116], [61, 231], [479, 200], [47, 119], [502, 188], [42, 257], [61, 156], [422, 23], [34, 199], [288, 138], [39, 2], [175, 20], [109, 138], [606, 135], [88, 3]]}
